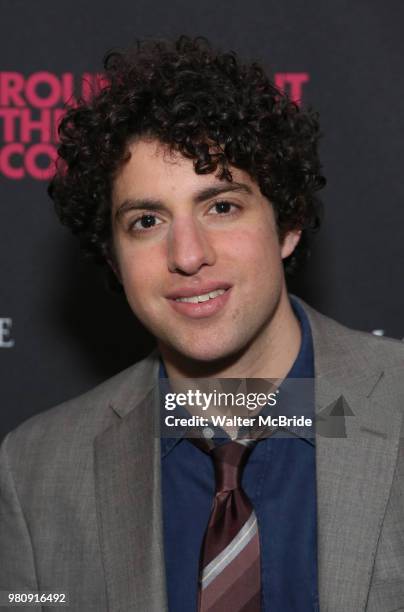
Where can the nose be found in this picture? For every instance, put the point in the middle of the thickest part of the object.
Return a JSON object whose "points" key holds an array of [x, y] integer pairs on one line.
{"points": [[189, 248]]}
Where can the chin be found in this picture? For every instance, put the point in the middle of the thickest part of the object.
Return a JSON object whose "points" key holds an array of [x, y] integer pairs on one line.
{"points": [[200, 353], [206, 356], [207, 352]]}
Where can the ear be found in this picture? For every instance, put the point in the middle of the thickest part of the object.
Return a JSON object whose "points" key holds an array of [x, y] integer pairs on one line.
{"points": [[290, 242]]}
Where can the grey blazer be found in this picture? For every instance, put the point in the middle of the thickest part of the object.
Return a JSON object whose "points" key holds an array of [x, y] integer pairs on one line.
{"points": [[80, 502]]}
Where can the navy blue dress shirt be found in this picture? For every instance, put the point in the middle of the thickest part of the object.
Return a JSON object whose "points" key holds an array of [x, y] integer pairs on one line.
{"points": [[280, 481]]}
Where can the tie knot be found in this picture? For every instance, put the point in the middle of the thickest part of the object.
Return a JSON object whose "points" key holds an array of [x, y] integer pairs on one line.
{"points": [[229, 460]]}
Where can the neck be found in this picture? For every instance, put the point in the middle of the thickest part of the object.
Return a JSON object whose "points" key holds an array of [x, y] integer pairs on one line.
{"points": [[270, 354]]}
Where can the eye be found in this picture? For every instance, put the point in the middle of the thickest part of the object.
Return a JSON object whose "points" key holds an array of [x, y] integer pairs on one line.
{"points": [[223, 208], [145, 222]]}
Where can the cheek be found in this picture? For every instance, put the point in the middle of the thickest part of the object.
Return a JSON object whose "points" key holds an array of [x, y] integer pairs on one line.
{"points": [[141, 272], [254, 250]]}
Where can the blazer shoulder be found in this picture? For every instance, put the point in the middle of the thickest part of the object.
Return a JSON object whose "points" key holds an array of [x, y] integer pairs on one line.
{"points": [[387, 352], [81, 417], [363, 347]]}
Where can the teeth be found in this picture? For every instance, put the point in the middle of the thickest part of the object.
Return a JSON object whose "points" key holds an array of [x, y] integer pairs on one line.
{"points": [[201, 298]]}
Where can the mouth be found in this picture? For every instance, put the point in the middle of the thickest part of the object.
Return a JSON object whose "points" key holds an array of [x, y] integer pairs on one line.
{"points": [[206, 303], [204, 297]]}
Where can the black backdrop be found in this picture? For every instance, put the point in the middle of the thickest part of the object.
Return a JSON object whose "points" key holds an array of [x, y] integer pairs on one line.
{"points": [[60, 332]]}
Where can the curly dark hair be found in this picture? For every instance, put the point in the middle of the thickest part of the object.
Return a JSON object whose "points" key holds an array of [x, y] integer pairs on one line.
{"points": [[188, 97]]}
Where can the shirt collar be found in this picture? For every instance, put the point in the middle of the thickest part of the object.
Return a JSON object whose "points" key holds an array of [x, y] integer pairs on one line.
{"points": [[303, 366]]}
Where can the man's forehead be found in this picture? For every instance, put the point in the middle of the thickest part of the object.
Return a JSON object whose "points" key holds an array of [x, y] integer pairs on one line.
{"points": [[154, 170]]}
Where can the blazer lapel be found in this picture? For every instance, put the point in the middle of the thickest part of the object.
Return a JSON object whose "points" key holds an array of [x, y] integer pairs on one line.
{"points": [[128, 498], [355, 473]]}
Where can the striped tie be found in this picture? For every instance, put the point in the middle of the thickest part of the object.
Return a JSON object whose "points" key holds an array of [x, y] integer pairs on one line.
{"points": [[230, 558]]}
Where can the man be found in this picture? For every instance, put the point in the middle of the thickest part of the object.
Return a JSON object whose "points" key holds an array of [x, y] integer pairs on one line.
{"points": [[193, 179]]}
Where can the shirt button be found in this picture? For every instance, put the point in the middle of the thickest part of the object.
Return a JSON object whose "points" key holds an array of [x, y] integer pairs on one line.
{"points": [[208, 432]]}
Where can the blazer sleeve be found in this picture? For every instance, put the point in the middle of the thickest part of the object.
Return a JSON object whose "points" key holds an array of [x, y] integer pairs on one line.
{"points": [[17, 564]]}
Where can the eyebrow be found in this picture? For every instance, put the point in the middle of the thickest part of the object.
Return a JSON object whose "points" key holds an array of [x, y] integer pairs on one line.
{"points": [[200, 196]]}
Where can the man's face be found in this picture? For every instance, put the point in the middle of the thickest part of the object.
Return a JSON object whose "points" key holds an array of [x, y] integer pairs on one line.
{"points": [[199, 257]]}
